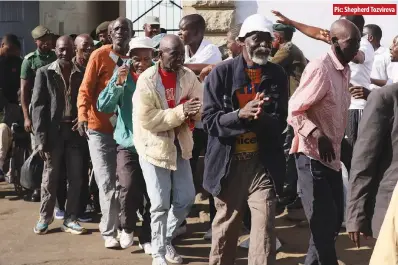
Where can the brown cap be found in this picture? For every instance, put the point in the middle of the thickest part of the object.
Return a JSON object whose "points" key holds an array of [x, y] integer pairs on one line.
{"points": [[102, 27], [39, 32]]}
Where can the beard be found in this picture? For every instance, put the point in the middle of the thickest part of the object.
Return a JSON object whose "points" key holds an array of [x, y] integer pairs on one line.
{"points": [[258, 56]]}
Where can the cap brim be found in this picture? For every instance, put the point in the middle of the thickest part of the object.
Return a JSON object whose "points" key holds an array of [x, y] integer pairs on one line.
{"points": [[141, 47]]}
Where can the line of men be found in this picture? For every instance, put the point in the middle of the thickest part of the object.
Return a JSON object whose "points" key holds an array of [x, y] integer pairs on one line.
{"points": [[147, 151]]}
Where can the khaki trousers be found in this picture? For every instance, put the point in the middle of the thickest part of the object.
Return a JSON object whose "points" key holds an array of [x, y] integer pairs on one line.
{"points": [[5, 143], [247, 183]]}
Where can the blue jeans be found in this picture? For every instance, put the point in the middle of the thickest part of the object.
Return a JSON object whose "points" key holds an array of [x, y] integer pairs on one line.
{"points": [[162, 185]]}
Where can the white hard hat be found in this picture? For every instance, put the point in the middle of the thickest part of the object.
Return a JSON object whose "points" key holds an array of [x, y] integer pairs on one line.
{"points": [[256, 22]]}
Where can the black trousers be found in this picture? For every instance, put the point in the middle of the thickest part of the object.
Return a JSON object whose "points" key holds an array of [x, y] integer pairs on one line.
{"points": [[351, 132], [84, 193], [321, 193], [132, 193], [291, 169]]}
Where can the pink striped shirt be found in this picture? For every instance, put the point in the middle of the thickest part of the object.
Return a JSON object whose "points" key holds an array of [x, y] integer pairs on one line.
{"points": [[321, 101]]}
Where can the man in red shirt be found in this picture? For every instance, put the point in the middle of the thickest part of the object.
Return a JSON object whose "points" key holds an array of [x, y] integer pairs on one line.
{"points": [[166, 102]]}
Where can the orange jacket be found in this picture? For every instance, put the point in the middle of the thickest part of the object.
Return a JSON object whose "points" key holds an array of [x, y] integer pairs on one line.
{"points": [[99, 71]]}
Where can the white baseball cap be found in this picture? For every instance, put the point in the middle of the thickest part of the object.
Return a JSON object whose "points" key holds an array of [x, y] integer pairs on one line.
{"points": [[140, 43], [256, 22]]}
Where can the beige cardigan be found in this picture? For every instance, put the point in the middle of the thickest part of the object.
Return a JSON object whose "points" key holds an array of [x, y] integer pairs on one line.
{"points": [[154, 122]]}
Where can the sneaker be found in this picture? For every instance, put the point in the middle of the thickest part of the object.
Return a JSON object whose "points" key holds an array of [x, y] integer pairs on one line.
{"points": [[180, 231], [159, 261], [147, 247], [172, 256], [74, 228], [111, 243], [207, 236], [42, 227], [59, 214], [85, 218], [126, 239]]}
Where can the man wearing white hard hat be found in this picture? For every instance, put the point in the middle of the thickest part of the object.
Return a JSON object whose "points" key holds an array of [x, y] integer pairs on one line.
{"points": [[118, 95], [244, 113]]}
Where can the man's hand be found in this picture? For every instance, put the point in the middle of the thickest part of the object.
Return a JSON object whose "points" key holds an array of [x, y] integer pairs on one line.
{"points": [[122, 73], [192, 107], [281, 18], [75, 125], [355, 237], [205, 72], [28, 125], [82, 128], [359, 92], [325, 146], [42, 153], [253, 108]]}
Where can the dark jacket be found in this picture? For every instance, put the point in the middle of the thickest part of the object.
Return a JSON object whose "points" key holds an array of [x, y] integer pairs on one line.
{"points": [[374, 166], [48, 102], [221, 122]]}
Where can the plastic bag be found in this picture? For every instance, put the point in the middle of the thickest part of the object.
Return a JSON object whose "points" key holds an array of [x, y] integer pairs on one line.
{"points": [[31, 171]]}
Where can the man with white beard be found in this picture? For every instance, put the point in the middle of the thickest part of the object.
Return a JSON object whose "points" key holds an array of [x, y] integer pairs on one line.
{"points": [[244, 113]]}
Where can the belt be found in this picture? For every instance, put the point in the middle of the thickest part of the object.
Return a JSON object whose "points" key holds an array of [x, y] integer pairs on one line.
{"points": [[244, 156]]}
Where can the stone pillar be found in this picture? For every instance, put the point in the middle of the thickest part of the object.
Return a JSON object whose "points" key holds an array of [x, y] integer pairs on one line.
{"points": [[219, 16]]}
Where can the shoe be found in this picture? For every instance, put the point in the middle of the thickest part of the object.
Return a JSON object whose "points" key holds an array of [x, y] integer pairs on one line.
{"points": [[74, 228], [59, 214], [207, 236], [172, 256], [41, 227], [180, 231], [85, 218], [147, 247], [126, 239], [35, 196], [295, 205], [111, 243], [159, 261]]}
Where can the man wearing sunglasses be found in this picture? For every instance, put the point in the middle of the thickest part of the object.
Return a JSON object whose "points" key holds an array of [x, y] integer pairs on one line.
{"points": [[245, 98]]}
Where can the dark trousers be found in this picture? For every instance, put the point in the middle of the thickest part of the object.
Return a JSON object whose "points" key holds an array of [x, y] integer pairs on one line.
{"points": [[351, 132], [132, 192], [321, 193], [62, 190], [291, 169], [66, 150]]}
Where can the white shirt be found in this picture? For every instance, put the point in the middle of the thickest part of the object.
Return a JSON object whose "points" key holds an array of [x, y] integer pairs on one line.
{"points": [[360, 73], [381, 62], [207, 53], [392, 71]]}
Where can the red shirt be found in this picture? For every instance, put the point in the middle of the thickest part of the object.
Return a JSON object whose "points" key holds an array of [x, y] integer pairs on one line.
{"points": [[169, 80]]}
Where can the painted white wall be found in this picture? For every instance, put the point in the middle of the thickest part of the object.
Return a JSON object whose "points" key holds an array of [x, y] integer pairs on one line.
{"points": [[320, 14]]}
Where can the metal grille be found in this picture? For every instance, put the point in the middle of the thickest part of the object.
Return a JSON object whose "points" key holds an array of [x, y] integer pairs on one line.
{"points": [[11, 11], [169, 13]]}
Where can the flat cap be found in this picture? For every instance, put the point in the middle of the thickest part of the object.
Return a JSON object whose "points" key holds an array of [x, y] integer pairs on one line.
{"points": [[151, 20], [283, 28], [102, 27], [39, 32]]}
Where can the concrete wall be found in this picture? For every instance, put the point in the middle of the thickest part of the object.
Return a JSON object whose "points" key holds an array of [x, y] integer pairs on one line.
{"points": [[68, 17]]}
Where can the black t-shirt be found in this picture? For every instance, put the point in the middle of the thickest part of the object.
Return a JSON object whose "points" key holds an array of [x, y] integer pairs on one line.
{"points": [[10, 71]]}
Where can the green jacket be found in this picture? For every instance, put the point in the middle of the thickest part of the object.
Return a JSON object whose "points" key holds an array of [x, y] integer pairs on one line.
{"points": [[118, 99], [34, 61], [292, 59]]}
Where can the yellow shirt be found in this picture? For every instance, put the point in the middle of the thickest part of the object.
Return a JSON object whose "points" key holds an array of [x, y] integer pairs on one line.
{"points": [[247, 142]]}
